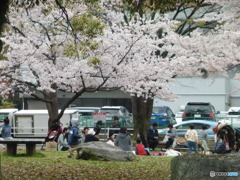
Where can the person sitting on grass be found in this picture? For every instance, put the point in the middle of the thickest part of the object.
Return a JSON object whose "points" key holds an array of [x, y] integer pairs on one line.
{"points": [[63, 140], [110, 139], [84, 134], [93, 135], [123, 140], [152, 136], [172, 137], [140, 149], [73, 137]]}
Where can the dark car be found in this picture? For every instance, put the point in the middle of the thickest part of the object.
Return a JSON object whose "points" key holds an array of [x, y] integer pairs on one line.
{"points": [[163, 116], [199, 110]]}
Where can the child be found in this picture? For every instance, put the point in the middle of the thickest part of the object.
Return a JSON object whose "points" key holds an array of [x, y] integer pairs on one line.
{"points": [[192, 139], [140, 149], [203, 137]]}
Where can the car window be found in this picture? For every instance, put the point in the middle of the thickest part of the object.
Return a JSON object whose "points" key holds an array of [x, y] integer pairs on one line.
{"points": [[197, 108], [158, 110], [184, 126], [110, 111], [196, 126], [169, 112], [234, 113]]}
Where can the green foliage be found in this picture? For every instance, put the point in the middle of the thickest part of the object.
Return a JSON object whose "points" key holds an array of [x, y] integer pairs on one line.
{"points": [[201, 23], [154, 6], [91, 1], [88, 25], [94, 61], [6, 105], [70, 51], [56, 165], [9, 103]]}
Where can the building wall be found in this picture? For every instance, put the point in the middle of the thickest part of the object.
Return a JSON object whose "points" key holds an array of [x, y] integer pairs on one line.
{"points": [[98, 99], [217, 91], [196, 89]]}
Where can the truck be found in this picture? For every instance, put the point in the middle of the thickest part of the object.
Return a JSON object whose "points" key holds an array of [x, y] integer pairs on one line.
{"points": [[34, 123]]}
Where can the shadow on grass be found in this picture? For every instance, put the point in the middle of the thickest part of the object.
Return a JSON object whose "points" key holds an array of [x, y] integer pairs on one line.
{"points": [[23, 154]]}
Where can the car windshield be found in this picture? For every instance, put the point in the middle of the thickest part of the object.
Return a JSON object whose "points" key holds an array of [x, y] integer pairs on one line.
{"points": [[197, 108], [2, 117], [110, 111], [157, 110]]}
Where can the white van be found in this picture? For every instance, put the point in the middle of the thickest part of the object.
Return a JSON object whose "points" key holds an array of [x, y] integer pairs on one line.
{"points": [[34, 123]]}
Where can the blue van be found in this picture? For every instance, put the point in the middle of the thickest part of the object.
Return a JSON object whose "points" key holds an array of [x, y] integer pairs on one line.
{"points": [[163, 116]]}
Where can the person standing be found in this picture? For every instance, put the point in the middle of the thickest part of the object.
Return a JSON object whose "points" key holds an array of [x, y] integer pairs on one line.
{"points": [[172, 136], [203, 139], [73, 137], [123, 140], [152, 136], [192, 139], [6, 129]]}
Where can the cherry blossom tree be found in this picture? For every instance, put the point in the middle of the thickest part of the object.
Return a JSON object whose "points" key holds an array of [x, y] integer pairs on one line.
{"points": [[214, 51], [71, 46], [78, 46]]}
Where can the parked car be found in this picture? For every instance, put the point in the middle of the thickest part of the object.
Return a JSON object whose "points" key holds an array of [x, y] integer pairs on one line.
{"points": [[95, 109], [178, 116], [199, 110], [233, 117], [163, 116], [221, 115], [124, 116], [184, 126]]}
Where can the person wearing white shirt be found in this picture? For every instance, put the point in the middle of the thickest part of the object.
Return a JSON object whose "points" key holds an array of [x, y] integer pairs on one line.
{"points": [[110, 139], [192, 139]]}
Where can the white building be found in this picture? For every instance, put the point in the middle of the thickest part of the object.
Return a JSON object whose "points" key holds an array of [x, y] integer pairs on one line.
{"points": [[218, 91]]}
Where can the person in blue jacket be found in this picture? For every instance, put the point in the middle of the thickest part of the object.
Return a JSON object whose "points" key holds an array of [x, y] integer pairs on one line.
{"points": [[6, 129], [73, 137]]}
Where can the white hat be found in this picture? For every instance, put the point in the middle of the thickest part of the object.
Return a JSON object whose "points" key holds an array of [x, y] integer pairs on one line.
{"points": [[74, 122]]}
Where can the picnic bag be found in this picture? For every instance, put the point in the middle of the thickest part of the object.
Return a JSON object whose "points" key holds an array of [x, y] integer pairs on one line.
{"points": [[172, 152], [220, 148], [51, 146]]}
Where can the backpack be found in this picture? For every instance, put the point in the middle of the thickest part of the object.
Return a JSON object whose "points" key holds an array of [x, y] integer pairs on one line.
{"points": [[220, 148]]}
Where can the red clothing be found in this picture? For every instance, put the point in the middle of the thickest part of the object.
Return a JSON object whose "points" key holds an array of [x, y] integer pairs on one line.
{"points": [[140, 149]]}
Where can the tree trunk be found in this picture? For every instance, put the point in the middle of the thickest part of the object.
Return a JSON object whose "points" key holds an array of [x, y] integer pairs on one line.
{"points": [[142, 111], [52, 108], [3, 12]]}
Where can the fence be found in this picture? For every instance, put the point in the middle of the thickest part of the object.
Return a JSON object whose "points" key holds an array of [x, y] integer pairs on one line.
{"points": [[88, 121], [164, 121]]}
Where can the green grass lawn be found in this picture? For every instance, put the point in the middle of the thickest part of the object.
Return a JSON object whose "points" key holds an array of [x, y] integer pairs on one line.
{"points": [[56, 165]]}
